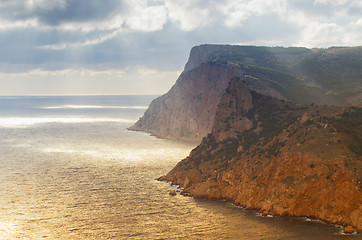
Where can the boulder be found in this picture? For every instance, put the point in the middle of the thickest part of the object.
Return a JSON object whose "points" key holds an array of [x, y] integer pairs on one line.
{"points": [[172, 193], [348, 229]]}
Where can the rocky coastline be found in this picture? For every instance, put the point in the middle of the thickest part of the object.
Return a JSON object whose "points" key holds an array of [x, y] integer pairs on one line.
{"points": [[268, 140], [302, 171]]}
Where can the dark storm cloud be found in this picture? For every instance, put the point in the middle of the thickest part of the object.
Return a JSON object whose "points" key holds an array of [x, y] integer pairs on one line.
{"points": [[81, 11], [63, 11]]}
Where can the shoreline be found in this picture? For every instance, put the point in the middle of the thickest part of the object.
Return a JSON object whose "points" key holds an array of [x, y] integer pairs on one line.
{"points": [[266, 213]]}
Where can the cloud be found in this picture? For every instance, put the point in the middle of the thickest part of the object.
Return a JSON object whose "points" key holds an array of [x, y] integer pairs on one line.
{"points": [[57, 12], [45, 4], [144, 17], [238, 11], [192, 14], [327, 24], [100, 21], [158, 34], [333, 2], [99, 38], [80, 23], [86, 16]]}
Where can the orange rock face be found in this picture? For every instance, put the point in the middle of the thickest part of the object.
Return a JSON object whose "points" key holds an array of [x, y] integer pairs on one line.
{"points": [[348, 229], [289, 186], [266, 154]]}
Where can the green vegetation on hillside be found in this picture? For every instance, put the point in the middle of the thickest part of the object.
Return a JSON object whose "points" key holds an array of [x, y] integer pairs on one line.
{"points": [[323, 76], [350, 123], [337, 70]]}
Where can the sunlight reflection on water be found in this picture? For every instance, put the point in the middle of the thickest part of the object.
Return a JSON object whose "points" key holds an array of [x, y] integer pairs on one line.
{"points": [[129, 155], [94, 107], [13, 122], [71, 177], [66, 185], [7, 229]]}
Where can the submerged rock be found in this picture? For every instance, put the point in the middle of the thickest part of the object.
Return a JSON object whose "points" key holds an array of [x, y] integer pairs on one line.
{"points": [[172, 193]]}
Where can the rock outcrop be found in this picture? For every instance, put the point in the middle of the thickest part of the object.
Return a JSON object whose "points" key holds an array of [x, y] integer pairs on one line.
{"points": [[279, 157], [301, 75]]}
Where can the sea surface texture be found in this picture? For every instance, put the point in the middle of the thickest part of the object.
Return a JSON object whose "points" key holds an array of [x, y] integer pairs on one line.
{"points": [[70, 169]]}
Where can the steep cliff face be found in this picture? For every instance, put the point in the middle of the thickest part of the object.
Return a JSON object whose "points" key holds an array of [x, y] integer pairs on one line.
{"points": [[187, 111], [279, 157]]}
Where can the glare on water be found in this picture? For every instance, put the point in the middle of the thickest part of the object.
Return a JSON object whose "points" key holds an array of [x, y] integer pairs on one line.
{"points": [[94, 107], [16, 122]]}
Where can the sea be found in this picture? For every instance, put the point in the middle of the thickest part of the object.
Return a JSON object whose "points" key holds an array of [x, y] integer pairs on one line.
{"points": [[70, 169]]}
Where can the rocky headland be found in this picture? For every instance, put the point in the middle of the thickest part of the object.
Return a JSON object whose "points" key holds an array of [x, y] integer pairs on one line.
{"points": [[330, 76], [268, 139], [279, 157]]}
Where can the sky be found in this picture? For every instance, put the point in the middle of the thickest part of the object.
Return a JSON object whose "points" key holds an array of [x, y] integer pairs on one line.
{"points": [[141, 46]]}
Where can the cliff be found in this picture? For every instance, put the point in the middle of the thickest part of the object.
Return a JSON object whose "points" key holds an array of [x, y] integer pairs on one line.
{"points": [[279, 157], [268, 139], [187, 111]]}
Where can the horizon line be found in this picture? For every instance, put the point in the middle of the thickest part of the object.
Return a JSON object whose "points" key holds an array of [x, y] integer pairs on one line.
{"points": [[60, 95]]}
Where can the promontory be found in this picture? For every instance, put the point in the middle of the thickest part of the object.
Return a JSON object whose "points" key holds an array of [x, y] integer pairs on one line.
{"points": [[280, 129]]}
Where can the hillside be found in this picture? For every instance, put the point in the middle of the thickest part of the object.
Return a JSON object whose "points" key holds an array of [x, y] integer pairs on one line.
{"points": [[330, 76], [279, 157]]}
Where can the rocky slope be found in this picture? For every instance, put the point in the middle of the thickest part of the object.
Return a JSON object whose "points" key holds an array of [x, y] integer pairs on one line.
{"points": [[321, 76], [279, 157]]}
